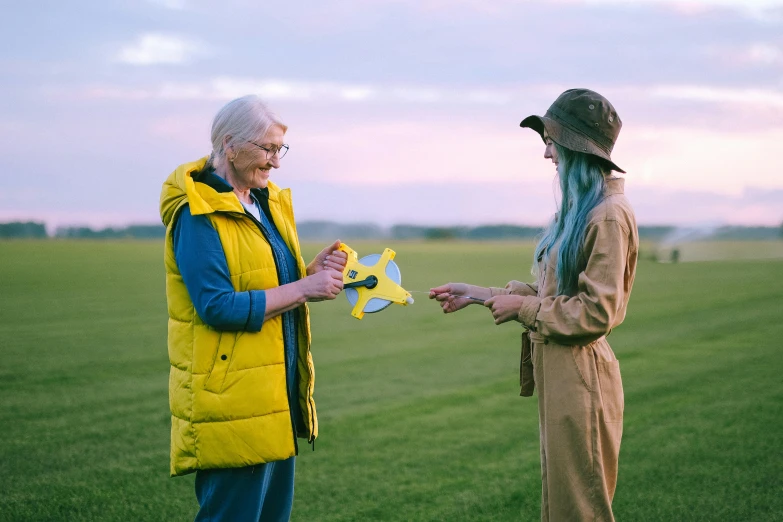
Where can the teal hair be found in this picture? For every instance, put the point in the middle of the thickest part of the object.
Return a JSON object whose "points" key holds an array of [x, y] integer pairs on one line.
{"points": [[582, 187]]}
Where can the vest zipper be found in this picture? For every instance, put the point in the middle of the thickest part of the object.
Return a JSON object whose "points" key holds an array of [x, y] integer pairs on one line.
{"points": [[310, 405], [285, 359]]}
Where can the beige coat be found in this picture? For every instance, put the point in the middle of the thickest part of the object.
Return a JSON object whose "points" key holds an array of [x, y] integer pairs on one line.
{"points": [[566, 355]]}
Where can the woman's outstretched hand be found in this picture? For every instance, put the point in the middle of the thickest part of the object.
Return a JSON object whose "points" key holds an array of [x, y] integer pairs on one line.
{"points": [[448, 296], [330, 258], [504, 308]]}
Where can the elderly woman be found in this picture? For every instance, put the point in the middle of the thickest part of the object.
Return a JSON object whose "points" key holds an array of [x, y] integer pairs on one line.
{"points": [[241, 381], [585, 265]]}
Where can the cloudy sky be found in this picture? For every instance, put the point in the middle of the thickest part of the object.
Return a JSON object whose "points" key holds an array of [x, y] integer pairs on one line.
{"points": [[398, 110]]}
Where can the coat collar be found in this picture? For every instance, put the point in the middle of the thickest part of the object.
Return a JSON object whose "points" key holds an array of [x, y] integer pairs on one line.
{"points": [[614, 186]]}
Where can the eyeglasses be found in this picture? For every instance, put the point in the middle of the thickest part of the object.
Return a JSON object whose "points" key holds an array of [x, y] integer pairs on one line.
{"points": [[271, 150]]}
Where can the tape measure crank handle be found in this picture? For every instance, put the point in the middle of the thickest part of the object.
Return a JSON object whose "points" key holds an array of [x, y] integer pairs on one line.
{"points": [[370, 282]]}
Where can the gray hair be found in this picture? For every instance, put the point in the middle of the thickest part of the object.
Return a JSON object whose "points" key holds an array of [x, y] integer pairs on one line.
{"points": [[241, 120]]}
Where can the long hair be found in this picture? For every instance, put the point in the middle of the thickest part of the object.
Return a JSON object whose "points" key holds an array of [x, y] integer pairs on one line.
{"points": [[582, 187]]}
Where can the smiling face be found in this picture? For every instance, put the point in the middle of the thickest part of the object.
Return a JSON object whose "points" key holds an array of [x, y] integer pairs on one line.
{"points": [[250, 162]]}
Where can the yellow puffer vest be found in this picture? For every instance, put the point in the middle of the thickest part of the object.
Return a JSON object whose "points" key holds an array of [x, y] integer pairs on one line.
{"points": [[227, 390]]}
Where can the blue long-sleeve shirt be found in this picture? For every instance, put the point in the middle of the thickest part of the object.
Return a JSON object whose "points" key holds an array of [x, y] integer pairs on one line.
{"points": [[202, 262]]}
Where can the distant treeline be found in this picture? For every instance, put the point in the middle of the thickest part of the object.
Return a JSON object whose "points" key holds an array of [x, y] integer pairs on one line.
{"points": [[130, 232], [327, 230], [19, 229]]}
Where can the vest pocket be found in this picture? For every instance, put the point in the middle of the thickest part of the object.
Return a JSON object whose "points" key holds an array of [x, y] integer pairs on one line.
{"points": [[611, 386], [225, 350]]}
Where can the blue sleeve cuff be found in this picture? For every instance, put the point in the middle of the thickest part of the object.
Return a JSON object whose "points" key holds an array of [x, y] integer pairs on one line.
{"points": [[255, 319]]}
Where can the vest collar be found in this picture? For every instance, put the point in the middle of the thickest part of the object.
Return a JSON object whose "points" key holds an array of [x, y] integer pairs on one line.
{"points": [[206, 192]]}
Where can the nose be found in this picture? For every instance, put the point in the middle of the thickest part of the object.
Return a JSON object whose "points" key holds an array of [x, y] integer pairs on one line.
{"points": [[275, 161], [547, 152]]}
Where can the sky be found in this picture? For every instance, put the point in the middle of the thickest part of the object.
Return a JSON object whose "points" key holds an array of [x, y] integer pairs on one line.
{"points": [[399, 111]]}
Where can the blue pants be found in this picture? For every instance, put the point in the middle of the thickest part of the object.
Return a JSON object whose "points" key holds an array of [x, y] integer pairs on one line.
{"points": [[256, 493]]}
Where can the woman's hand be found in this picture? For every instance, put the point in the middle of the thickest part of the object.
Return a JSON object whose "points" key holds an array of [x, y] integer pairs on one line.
{"points": [[447, 296], [330, 258], [504, 308], [326, 284]]}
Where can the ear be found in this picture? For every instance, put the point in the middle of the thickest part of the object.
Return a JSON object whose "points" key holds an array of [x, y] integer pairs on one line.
{"points": [[226, 148]]}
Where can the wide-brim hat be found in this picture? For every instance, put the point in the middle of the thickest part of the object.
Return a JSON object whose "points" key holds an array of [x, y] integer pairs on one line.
{"points": [[580, 120]]}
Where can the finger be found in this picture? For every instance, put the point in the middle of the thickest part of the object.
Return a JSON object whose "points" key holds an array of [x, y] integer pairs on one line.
{"points": [[443, 289], [336, 262], [489, 302], [330, 248], [334, 265], [456, 304]]}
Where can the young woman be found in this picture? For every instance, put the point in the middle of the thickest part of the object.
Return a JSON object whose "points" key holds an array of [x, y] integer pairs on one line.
{"points": [[585, 264]]}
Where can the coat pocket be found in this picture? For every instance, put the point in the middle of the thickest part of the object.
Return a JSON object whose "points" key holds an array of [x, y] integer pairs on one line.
{"points": [[526, 381], [611, 387], [223, 357]]}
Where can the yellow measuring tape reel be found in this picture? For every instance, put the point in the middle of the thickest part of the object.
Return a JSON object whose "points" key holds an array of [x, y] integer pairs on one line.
{"points": [[373, 282]]}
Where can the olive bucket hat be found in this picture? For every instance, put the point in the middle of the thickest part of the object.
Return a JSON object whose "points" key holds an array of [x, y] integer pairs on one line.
{"points": [[580, 120]]}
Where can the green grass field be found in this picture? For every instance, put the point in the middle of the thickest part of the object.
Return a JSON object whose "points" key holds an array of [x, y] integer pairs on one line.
{"points": [[722, 251], [419, 412]]}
